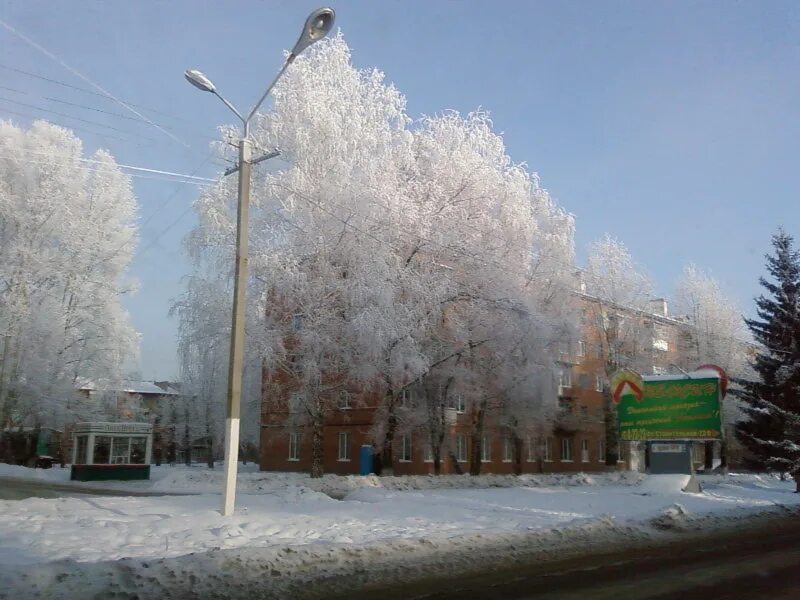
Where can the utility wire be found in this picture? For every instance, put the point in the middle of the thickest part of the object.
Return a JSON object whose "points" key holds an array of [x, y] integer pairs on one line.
{"points": [[123, 166], [66, 116], [95, 170], [73, 127], [84, 90], [75, 72]]}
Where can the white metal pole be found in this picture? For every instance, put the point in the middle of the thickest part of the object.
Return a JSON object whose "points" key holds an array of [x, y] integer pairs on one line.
{"points": [[237, 332]]}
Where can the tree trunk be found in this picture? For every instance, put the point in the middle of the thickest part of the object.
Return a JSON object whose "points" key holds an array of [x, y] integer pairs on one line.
{"points": [[612, 439], [517, 455], [437, 462], [388, 440], [187, 443], [476, 443], [210, 451], [317, 434], [723, 455], [708, 463], [456, 467]]}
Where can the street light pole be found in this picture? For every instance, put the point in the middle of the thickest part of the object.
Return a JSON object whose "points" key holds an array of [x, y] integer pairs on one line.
{"points": [[316, 27], [236, 361]]}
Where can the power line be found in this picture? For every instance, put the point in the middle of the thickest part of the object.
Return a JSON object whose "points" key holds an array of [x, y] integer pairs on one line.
{"points": [[96, 169], [124, 166], [84, 90], [75, 72], [66, 116], [73, 127]]}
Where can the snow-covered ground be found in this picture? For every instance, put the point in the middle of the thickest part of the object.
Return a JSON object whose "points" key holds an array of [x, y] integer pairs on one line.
{"points": [[378, 516], [199, 479]]}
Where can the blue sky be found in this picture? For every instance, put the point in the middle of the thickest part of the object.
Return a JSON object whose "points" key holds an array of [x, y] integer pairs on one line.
{"points": [[673, 125]]}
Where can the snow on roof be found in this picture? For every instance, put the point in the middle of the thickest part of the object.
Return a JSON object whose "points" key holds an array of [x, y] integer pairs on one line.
{"points": [[704, 374], [130, 386]]}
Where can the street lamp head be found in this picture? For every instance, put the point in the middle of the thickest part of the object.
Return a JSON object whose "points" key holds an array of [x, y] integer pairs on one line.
{"points": [[317, 26], [199, 80]]}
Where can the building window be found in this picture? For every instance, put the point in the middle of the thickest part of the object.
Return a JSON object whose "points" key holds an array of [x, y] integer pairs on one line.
{"points": [[297, 323], [458, 403], [581, 348], [548, 449], [584, 450], [138, 450], [102, 450], [344, 446], [461, 447], [601, 450], [294, 446], [598, 383], [407, 398], [508, 448], [405, 448], [564, 379], [486, 450], [120, 450], [566, 450], [344, 401], [80, 449], [659, 370], [531, 443], [295, 402], [427, 454]]}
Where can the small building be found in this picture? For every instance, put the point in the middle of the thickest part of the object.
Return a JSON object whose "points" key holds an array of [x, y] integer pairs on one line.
{"points": [[102, 451]]}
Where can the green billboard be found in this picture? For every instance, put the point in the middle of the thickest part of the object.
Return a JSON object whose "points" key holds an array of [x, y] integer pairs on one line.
{"points": [[672, 409]]}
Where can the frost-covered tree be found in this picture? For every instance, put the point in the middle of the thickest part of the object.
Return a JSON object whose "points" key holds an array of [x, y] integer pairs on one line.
{"points": [[382, 249], [67, 232], [771, 430], [715, 334], [618, 294]]}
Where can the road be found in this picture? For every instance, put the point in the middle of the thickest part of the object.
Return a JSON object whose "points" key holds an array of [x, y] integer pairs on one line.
{"points": [[13, 488], [749, 564]]}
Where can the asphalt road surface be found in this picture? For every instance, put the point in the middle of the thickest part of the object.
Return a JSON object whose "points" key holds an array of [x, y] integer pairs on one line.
{"points": [[749, 564], [12, 488]]}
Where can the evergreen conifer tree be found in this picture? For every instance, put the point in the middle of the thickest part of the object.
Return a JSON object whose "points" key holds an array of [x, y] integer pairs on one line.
{"points": [[771, 431]]}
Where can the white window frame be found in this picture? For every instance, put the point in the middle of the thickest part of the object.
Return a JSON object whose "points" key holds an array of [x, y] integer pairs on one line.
{"points": [[118, 441], [461, 448], [566, 444], [344, 436], [547, 454], [564, 379], [294, 403], [531, 449], [427, 452], [598, 383], [601, 450], [343, 401], [584, 450], [508, 449], [294, 447], [581, 348], [458, 404], [486, 450], [405, 448], [407, 398]]}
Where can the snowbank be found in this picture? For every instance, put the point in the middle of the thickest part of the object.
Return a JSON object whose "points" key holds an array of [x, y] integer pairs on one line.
{"points": [[289, 533], [199, 479]]}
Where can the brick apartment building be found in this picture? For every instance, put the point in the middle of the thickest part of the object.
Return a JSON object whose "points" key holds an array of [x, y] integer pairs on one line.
{"points": [[576, 441]]}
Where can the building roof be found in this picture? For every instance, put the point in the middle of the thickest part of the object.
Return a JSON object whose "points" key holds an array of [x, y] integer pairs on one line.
{"points": [[130, 386]]}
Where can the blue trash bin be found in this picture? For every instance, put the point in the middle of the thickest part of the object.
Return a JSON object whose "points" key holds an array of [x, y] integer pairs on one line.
{"points": [[365, 460]]}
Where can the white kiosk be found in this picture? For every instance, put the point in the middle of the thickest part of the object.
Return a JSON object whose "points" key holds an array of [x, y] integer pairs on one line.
{"points": [[102, 451]]}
